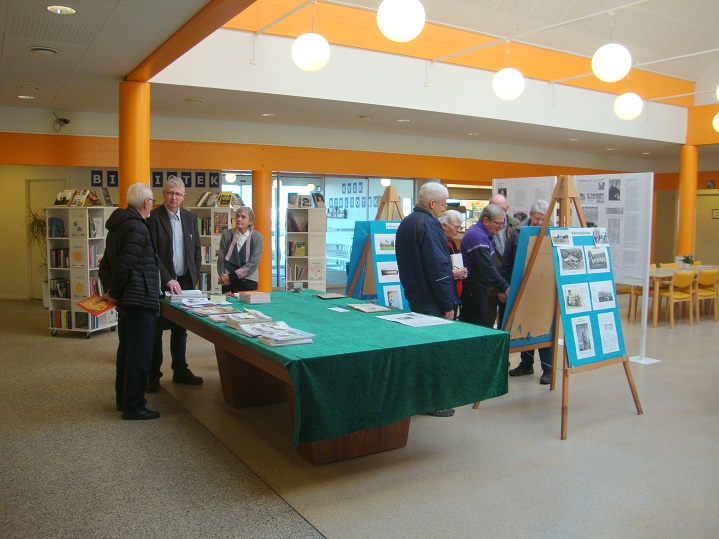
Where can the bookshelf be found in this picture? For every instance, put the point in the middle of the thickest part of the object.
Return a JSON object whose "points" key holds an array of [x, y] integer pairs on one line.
{"points": [[211, 222], [75, 244], [305, 249]]}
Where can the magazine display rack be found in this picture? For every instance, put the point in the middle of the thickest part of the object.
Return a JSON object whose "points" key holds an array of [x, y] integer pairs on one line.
{"points": [[305, 249]]}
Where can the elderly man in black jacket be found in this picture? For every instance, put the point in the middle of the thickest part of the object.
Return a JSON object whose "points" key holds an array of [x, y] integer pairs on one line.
{"points": [[130, 278]]}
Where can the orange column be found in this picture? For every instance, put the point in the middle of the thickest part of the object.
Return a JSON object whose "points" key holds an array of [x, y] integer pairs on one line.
{"points": [[262, 206], [134, 155], [686, 226]]}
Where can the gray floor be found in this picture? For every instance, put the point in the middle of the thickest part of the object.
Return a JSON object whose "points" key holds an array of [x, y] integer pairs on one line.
{"points": [[72, 468]]}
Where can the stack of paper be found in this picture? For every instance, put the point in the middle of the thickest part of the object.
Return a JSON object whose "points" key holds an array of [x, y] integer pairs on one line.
{"points": [[176, 298], [368, 307], [209, 310], [275, 333], [250, 316], [253, 296]]}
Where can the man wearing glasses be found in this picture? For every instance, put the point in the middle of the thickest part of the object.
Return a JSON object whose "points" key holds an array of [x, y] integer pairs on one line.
{"points": [[177, 241], [500, 240], [477, 248]]}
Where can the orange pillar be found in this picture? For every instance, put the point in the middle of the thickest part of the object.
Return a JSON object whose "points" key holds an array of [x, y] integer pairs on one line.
{"points": [[686, 225], [262, 206], [134, 154]]}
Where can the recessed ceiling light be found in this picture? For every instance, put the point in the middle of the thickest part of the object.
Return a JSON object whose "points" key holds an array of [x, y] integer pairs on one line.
{"points": [[268, 114], [61, 10], [26, 97], [366, 117], [472, 134], [45, 51], [497, 130], [646, 153], [403, 120], [193, 101], [573, 139], [610, 149]]}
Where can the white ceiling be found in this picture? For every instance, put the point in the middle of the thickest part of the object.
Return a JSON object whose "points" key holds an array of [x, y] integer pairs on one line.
{"points": [[106, 39]]}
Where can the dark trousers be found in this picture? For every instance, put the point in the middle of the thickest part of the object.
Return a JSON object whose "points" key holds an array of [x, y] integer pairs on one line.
{"points": [[134, 357], [495, 306], [178, 338], [545, 357], [475, 308], [430, 309], [240, 286]]}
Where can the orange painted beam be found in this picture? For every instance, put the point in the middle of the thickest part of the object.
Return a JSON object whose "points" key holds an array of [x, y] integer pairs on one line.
{"points": [[205, 22], [699, 125]]}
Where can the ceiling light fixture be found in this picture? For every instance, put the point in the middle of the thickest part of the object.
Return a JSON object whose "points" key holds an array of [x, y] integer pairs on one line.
{"points": [[193, 101], [717, 92], [61, 10], [26, 97], [385, 182], [230, 177], [400, 20], [403, 120], [44, 51], [715, 123], [611, 62], [628, 106], [508, 83], [310, 51], [268, 114]]}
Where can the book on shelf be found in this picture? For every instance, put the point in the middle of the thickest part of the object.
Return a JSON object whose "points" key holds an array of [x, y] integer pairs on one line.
{"points": [[305, 201], [106, 199], [80, 198], [177, 298], [95, 227], [93, 199], [55, 227], [237, 201], [249, 316], [253, 296], [297, 248], [368, 307], [318, 199], [203, 198], [225, 199], [293, 200], [64, 198], [95, 305], [221, 222], [211, 201]]}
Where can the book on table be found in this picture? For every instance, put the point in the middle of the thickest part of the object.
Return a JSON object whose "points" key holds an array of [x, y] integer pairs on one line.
{"points": [[368, 307], [209, 310], [177, 298], [253, 296], [249, 316], [329, 295], [284, 337], [95, 305]]}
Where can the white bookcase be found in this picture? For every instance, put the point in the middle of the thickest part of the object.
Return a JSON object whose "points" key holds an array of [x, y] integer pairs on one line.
{"points": [[211, 222], [305, 249], [75, 245]]}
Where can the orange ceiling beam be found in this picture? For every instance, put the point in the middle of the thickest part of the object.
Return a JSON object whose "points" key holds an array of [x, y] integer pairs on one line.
{"points": [[202, 24]]}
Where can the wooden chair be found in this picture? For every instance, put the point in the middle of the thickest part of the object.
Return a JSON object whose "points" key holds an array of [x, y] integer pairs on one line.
{"points": [[681, 289], [707, 288], [668, 264], [636, 292]]}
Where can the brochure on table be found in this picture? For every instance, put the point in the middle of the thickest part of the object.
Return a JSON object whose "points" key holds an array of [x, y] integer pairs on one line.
{"points": [[587, 296], [373, 256]]}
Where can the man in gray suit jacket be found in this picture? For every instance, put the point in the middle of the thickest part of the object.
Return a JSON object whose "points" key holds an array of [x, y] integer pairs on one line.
{"points": [[177, 242]]}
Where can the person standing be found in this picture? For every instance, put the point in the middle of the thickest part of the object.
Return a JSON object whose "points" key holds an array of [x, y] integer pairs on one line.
{"points": [[546, 355], [477, 247], [129, 275], [451, 221], [240, 253], [177, 241], [500, 240], [425, 270]]}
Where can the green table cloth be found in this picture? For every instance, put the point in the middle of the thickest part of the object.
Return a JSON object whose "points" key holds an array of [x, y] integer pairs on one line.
{"points": [[363, 372]]}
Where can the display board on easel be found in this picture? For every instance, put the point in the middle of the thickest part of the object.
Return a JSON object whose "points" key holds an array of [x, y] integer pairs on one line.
{"points": [[373, 273]]}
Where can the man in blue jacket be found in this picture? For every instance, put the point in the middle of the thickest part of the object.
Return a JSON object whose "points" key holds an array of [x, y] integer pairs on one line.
{"points": [[425, 270], [129, 275]]}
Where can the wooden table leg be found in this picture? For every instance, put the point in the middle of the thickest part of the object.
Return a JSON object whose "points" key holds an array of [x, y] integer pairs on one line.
{"points": [[655, 303]]}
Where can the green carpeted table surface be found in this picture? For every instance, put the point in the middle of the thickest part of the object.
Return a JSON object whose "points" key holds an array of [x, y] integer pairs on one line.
{"points": [[363, 372]]}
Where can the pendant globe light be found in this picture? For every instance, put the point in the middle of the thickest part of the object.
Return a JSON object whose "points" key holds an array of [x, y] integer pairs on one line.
{"points": [[715, 123], [628, 106], [612, 61], [508, 83], [310, 51], [400, 20], [717, 92]]}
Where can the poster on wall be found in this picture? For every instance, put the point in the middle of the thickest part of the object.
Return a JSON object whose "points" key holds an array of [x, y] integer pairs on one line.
{"points": [[587, 299], [621, 206], [521, 193]]}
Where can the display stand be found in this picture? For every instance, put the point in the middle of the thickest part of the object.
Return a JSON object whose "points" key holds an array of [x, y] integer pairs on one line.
{"points": [[565, 195], [373, 273]]}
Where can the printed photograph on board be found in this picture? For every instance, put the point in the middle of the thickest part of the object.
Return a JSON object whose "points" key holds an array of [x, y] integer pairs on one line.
{"points": [[597, 259], [583, 338], [576, 298], [393, 297], [602, 295], [571, 261]]}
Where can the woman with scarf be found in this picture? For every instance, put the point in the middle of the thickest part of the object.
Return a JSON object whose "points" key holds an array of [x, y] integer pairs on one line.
{"points": [[240, 253]]}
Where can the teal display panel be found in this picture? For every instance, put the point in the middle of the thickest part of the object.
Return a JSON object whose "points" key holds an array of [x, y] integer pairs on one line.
{"points": [[587, 296]]}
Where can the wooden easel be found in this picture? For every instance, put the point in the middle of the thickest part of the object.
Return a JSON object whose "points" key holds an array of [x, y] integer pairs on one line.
{"points": [[565, 194], [385, 212]]}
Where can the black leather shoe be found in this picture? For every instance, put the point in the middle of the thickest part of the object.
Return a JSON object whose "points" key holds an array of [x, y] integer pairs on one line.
{"points": [[153, 384], [141, 414], [546, 378], [186, 377], [521, 370]]}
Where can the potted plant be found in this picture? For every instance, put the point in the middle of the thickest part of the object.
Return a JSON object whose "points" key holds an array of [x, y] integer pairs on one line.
{"points": [[37, 236]]}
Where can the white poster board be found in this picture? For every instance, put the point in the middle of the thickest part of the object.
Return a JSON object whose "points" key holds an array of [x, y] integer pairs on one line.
{"points": [[521, 193], [621, 204]]}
